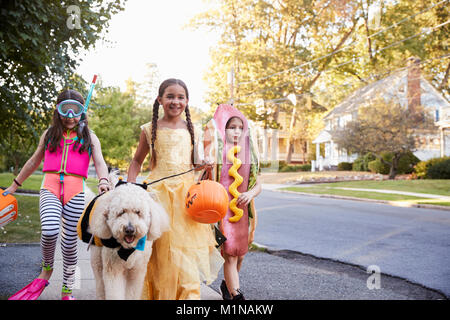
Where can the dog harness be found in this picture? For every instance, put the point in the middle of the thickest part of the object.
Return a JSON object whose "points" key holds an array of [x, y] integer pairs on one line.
{"points": [[87, 237]]}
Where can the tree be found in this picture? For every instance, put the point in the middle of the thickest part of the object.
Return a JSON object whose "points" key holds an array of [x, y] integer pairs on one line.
{"points": [[145, 92], [40, 44], [382, 43], [323, 48], [304, 129], [260, 38], [116, 121], [382, 127], [16, 148]]}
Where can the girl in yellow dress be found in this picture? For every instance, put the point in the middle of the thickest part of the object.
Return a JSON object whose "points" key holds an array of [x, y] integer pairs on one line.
{"points": [[186, 254]]}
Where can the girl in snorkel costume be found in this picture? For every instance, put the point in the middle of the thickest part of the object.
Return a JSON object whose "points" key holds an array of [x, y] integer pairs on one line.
{"points": [[66, 148], [230, 141]]}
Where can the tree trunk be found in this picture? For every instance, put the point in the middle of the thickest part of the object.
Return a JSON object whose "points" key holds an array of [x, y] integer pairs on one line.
{"points": [[394, 166], [444, 80], [290, 151], [275, 136], [290, 144], [16, 166], [304, 150]]}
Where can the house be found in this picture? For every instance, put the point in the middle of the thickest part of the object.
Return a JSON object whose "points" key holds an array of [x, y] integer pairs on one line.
{"points": [[274, 143], [410, 89], [444, 132]]}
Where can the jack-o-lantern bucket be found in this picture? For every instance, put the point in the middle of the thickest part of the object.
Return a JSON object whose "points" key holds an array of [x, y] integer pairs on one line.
{"points": [[8, 208], [207, 201]]}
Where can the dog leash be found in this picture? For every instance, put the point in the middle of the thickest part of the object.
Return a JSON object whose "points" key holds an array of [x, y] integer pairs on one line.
{"points": [[178, 174], [145, 183]]}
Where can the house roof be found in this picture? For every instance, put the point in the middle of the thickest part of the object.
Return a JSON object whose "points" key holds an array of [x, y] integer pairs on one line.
{"points": [[323, 136], [393, 86]]}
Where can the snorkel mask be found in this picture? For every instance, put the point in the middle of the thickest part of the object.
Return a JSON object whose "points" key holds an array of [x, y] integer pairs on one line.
{"points": [[72, 108]]}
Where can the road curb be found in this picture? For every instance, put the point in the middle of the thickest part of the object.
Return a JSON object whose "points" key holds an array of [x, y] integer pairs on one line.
{"points": [[14, 244]]}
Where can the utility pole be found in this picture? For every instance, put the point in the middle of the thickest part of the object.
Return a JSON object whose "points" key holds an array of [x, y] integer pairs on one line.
{"points": [[231, 79]]}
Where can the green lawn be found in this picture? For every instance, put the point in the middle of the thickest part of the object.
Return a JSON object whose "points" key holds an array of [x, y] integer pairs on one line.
{"points": [[441, 187], [32, 183], [26, 228], [438, 187], [436, 203], [356, 194]]}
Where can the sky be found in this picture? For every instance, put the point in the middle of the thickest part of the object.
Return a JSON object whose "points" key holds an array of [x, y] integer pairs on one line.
{"points": [[152, 32]]}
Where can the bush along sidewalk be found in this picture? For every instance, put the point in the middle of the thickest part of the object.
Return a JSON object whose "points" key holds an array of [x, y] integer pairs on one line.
{"points": [[282, 166], [435, 168]]}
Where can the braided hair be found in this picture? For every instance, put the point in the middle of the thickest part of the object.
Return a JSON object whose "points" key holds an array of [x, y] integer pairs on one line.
{"points": [[190, 127]]}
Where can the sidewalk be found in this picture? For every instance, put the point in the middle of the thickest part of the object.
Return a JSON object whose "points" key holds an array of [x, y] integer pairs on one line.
{"points": [[84, 288]]}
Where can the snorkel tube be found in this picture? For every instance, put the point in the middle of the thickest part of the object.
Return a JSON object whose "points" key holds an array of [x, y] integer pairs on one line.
{"points": [[91, 90], [82, 122]]}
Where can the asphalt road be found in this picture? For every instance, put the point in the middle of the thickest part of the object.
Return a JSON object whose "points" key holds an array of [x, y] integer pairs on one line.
{"points": [[410, 243], [286, 275]]}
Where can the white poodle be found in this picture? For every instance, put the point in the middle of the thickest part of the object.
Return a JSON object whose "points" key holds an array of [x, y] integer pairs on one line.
{"points": [[124, 216]]}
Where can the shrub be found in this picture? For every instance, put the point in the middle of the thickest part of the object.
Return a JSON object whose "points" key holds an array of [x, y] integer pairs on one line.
{"points": [[269, 164], [421, 169], [358, 164], [284, 167], [406, 163], [294, 168], [345, 166], [264, 164], [282, 163], [362, 162], [288, 169], [439, 168], [376, 166], [369, 156], [305, 167]]}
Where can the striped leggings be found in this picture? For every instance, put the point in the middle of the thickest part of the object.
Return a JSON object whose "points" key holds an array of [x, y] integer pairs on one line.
{"points": [[52, 213]]}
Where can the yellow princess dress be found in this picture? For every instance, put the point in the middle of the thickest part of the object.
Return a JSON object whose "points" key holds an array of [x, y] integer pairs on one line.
{"points": [[186, 254]]}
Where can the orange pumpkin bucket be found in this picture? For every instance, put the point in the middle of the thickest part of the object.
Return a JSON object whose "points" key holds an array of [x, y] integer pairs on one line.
{"points": [[207, 202], [8, 208]]}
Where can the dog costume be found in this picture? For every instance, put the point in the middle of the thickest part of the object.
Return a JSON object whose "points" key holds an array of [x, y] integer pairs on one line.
{"points": [[87, 237]]}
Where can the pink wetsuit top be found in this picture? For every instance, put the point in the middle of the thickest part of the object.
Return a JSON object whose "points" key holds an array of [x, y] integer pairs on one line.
{"points": [[63, 183]]}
